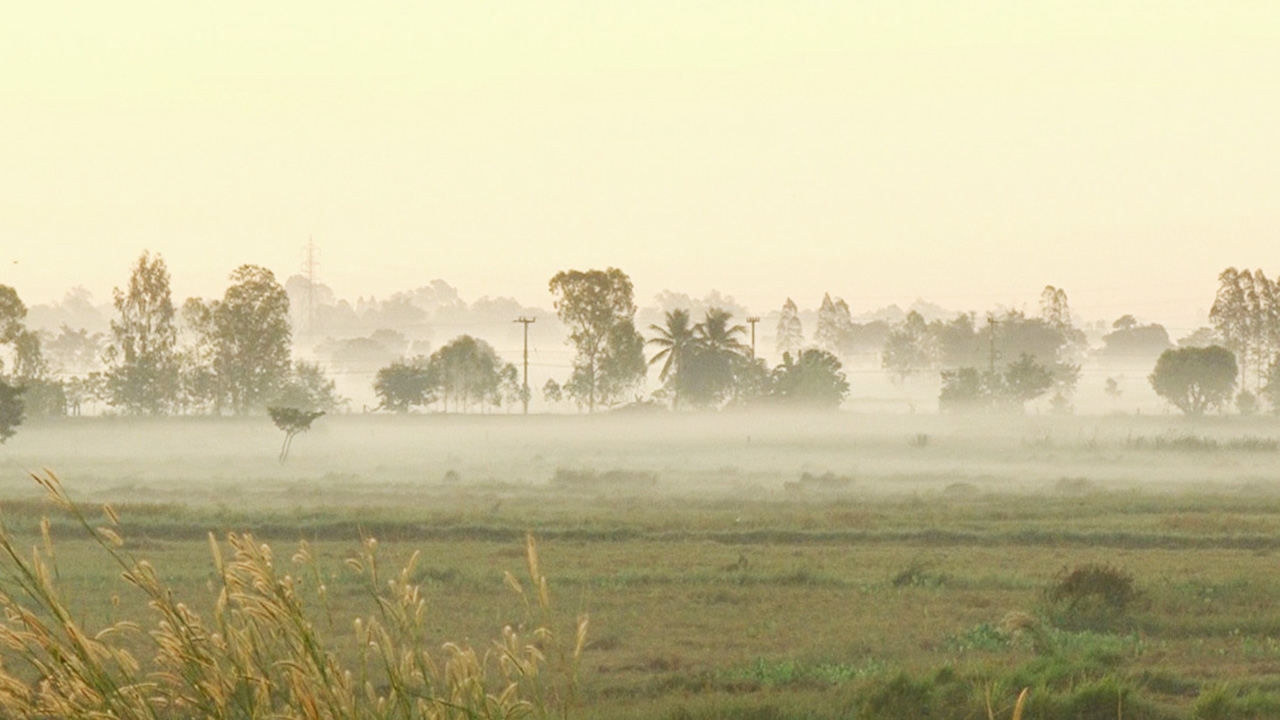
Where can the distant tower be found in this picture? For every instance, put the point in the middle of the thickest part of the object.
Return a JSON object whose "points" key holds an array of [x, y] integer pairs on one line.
{"points": [[310, 264]]}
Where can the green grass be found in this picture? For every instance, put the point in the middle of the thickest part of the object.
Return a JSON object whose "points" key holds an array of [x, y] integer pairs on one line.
{"points": [[714, 590]]}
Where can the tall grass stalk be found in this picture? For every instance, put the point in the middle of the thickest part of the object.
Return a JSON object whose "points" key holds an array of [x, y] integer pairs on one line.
{"points": [[258, 653]]}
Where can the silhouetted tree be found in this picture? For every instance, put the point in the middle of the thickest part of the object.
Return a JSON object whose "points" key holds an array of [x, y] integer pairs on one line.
{"points": [[753, 382], [598, 308], [1271, 388], [1053, 344], [28, 372], [970, 389], [143, 361], [1026, 379], [12, 314], [403, 385], [1200, 337], [956, 342], [250, 339], [909, 348], [12, 410], [91, 388], [467, 371], [28, 360], [42, 394], [966, 389], [677, 340], [552, 392], [1054, 308], [292, 421], [365, 354], [1246, 317], [199, 388], [76, 352], [717, 356], [835, 332], [1112, 389], [813, 379], [790, 334], [1195, 380], [309, 389], [1230, 312], [1130, 342]]}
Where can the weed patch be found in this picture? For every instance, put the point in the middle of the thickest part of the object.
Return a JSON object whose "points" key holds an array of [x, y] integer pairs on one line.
{"points": [[580, 479], [918, 573], [1093, 596]]}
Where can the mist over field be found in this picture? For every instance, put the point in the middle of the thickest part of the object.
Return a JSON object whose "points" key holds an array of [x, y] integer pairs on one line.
{"points": [[751, 361], [747, 456]]}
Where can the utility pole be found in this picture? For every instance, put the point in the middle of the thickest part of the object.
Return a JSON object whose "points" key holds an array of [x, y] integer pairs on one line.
{"points": [[991, 330], [309, 266], [753, 320], [524, 391]]}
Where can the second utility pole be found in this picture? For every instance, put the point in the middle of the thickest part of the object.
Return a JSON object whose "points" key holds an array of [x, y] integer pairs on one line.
{"points": [[524, 391]]}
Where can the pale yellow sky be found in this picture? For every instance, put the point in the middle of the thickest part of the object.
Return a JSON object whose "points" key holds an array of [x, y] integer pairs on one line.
{"points": [[964, 152]]}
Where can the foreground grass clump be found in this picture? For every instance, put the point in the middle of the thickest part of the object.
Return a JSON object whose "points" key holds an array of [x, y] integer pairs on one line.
{"points": [[259, 654]]}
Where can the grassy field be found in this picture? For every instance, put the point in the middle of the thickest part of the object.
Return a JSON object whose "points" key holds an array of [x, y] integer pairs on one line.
{"points": [[742, 566]]}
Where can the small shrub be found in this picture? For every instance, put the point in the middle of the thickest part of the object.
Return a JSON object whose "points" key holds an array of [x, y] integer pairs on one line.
{"points": [[1110, 584], [610, 478], [943, 695], [984, 637], [900, 697], [1106, 698], [825, 481], [1198, 444], [1221, 703], [961, 490], [1254, 444], [918, 574], [1093, 596], [1074, 486]]}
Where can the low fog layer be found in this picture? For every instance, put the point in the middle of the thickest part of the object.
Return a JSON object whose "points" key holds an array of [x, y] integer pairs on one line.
{"points": [[392, 460]]}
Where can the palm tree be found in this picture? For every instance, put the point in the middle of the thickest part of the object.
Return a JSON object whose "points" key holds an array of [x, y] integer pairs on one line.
{"points": [[715, 334], [678, 341], [718, 355]]}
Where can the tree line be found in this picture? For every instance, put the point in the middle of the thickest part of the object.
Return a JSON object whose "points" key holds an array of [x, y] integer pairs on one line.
{"points": [[703, 364], [233, 355], [226, 355]]}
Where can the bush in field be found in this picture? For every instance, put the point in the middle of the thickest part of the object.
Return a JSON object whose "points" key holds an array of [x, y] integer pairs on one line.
{"points": [[1094, 596], [259, 655]]}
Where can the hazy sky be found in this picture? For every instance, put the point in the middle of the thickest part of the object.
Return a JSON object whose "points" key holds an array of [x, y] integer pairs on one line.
{"points": [[965, 152]]}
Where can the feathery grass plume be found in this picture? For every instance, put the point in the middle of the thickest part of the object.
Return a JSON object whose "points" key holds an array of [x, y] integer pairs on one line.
{"points": [[258, 654], [1018, 704]]}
